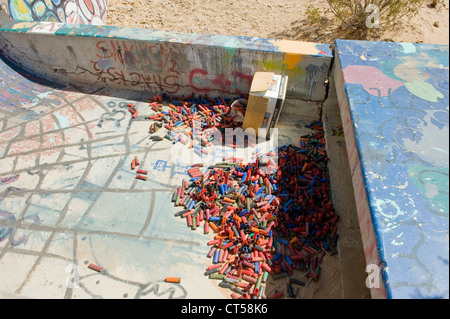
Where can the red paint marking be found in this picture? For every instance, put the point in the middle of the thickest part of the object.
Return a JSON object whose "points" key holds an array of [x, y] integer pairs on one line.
{"points": [[89, 5]]}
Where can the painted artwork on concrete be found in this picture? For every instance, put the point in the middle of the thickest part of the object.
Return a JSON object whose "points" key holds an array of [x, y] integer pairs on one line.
{"points": [[65, 11], [395, 113]]}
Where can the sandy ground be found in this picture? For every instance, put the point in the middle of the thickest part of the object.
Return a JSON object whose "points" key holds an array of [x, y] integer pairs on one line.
{"points": [[281, 19]]}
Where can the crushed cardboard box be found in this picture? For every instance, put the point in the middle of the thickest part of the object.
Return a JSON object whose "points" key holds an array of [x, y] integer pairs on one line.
{"points": [[265, 101]]}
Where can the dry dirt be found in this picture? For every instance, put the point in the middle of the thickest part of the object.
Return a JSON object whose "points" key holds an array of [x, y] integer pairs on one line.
{"points": [[281, 19]]}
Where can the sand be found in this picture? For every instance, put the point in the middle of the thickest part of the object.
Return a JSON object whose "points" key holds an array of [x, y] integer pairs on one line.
{"points": [[281, 19]]}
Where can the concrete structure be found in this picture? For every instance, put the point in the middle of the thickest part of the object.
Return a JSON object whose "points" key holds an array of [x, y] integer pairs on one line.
{"points": [[68, 196], [162, 61], [394, 103]]}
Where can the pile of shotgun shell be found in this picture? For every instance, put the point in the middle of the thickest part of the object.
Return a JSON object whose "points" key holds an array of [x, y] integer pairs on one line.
{"points": [[269, 217], [191, 120]]}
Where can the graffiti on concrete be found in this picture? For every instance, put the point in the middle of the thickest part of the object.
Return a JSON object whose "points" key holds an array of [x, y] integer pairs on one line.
{"points": [[69, 197], [395, 119], [66, 11]]}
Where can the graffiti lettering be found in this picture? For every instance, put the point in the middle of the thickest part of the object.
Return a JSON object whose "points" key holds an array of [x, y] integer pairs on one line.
{"points": [[201, 81], [112, 117], [118, 61], [155, 57], [155, 82]]}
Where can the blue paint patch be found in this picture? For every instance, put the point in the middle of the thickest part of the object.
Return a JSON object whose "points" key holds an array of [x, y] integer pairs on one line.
{"points": [[104, 64]]}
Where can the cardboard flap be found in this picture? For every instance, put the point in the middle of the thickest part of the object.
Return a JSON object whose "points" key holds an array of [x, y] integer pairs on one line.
{"points": [[261, 81], [254, 115]]}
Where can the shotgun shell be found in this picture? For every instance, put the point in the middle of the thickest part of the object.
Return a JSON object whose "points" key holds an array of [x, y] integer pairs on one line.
{"points": [[217, 276], [276, 295], [95, 267], [173, 279], [250, 205]]}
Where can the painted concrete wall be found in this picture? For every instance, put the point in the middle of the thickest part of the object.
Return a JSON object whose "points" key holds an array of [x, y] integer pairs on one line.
{"points": [[67, 11], [394, 104], [158, 61]]}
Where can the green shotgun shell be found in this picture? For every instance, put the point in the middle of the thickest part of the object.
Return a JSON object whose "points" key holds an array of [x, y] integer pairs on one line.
{"points": [[265, 275], [280, 275], [258, 282], [217, 276]]}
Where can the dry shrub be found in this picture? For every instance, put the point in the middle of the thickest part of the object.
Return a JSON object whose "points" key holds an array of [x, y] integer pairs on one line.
{"points": [[359, 15]]}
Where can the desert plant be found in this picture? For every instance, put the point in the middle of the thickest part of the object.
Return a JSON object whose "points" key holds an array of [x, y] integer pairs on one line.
{"points": [[313, 15], [361, 14], [434, 4]]}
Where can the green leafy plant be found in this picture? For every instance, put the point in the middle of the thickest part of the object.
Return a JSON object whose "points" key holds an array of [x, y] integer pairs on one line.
{"points": [[313, 15], [361, 14]]}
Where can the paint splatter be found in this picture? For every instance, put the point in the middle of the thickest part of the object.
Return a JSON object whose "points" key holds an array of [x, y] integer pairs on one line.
{"points": [[7, 180], [371, 78], [424, 90]]}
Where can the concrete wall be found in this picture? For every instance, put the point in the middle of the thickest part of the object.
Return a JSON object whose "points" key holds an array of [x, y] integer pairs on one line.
{"points": [[158, 61], [394, 105], [70, 11]]}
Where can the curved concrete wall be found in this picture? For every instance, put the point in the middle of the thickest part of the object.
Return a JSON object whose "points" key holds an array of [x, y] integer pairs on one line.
{"points": [[160, 61], [70, 11]]}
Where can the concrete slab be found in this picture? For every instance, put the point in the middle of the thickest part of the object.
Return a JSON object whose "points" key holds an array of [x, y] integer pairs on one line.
{"points": [[69, 198], [394, 105]]}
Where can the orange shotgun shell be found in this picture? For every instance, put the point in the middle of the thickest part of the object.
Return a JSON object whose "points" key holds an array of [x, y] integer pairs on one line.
{"points": [[173, 279], [144, 178]]}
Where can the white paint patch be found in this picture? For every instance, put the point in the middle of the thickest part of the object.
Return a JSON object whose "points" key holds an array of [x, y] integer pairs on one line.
{"points": [[431, 190], [408, 47], [433, 144]]}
